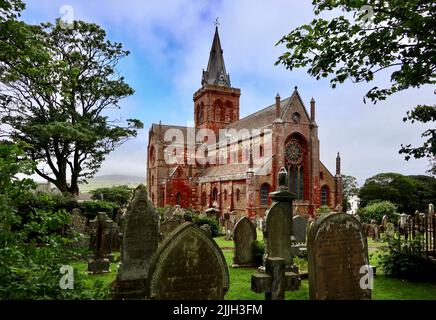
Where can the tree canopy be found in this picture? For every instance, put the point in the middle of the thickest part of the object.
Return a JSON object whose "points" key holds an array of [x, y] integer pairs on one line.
{"points": [[57, 86], [409, 193], [372, 36]]}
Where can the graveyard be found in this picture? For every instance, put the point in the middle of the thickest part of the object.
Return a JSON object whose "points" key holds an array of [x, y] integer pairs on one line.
{"points": [[134, 166], [385, 288], [150, 259]]}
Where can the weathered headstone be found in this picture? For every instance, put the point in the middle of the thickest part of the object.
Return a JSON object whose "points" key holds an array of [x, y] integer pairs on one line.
{"points": [[213, 213], [229, 226], [116, 238], [77, 230], [100, 244], [259, 223], [384, 222], [390, 229], [169, 225], [376, 236], [299, 228], [188, 265], [243, 236], [178, 211], [119, 216], [402, 223], [169, 213], [140, 242], [299, 231], [78, 221], [337, 259], [207, 229]]}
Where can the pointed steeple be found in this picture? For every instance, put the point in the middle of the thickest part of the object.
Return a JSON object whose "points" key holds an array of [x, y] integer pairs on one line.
{"points": [[216, 69]]}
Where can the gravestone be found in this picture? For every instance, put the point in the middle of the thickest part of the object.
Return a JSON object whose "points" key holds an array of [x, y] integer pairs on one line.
{"points": [[337, 253], [376, 236], [431, 209], [140, 242], [169, 213], [169, 225], [390, 229], [119, 216], [384, 222], [188, 265], [77, 230], [213, 213], [116, 238], [278, 272], [278, 224], [229, 226], [259, 223], [402, 223], [78, 221], [100, 244], [244, 235], [207, 229], [178, 211], [299, 231], [299, 228]]}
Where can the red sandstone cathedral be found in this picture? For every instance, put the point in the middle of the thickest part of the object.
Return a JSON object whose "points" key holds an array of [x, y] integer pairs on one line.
{"points": [[231, 163]]}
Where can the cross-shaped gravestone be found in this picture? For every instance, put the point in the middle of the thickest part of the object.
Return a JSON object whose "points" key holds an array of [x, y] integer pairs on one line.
{"points": [[101, 243], [275, 280]]}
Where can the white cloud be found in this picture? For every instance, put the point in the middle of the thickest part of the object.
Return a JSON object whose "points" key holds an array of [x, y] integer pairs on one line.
{"points": [[177, 35]]}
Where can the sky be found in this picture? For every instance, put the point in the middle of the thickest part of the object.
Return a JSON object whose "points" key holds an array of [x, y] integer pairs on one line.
{"points": [[169, 42]]}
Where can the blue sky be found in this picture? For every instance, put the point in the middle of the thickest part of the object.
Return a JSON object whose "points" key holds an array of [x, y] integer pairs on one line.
{"points": [[169, 42]]}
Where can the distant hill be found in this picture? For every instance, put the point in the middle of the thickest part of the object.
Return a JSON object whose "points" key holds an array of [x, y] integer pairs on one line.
{"points": [[117, 177], [106, 181]]}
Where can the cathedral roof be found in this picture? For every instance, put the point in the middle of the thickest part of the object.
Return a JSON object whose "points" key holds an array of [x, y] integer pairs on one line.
{"points": [[162, 128], [216, 70], [265, 117], [224, 172]]}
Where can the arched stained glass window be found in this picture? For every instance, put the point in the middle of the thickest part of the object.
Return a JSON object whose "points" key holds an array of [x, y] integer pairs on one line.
{"points": [[294, 160]]}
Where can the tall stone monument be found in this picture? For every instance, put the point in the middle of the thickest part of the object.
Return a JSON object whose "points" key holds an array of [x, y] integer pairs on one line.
{"points": [[139, 243], [278, 273]]}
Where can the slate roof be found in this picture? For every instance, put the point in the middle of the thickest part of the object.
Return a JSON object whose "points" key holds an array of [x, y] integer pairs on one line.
{"points": [[216, 70], [265, 117]]}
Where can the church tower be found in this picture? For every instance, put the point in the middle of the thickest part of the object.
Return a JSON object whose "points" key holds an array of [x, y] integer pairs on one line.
{"points": [[216, 103]]}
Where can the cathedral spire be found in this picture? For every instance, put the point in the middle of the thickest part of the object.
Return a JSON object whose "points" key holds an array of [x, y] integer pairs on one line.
{"points": [[216, 69]]}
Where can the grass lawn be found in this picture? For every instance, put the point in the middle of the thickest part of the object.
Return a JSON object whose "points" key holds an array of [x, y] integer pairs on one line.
{"points": [[385, 288]]}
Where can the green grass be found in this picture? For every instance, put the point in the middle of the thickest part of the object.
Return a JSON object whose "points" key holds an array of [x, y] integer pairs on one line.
{"points": [[385, 288]]}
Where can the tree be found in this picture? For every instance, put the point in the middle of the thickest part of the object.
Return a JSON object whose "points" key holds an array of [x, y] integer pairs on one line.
{"points": [[56, 97], [351, 188], [31, 249], [10, 9], [383, 35], [376, 211], [13, 163], [117, 194], [409, 193]]}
